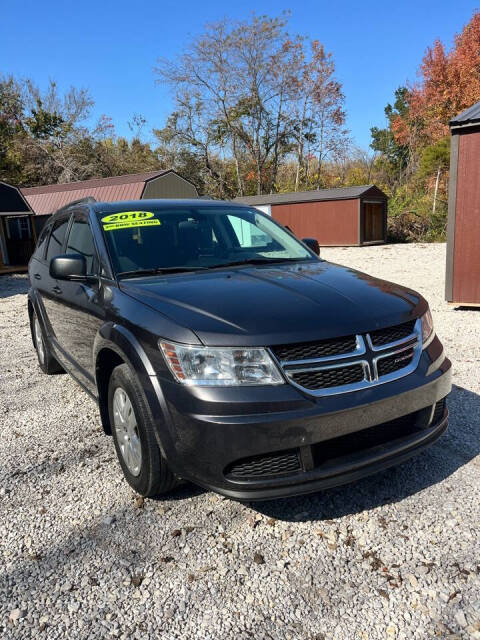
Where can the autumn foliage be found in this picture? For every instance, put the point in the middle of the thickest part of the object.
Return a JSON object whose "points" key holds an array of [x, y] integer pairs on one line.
{"points": [[414, 149], [449, 83], [257, 109]]}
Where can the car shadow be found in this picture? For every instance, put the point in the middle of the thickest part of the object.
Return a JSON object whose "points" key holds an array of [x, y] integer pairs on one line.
{"points": [[183, 492], [452, 451], [13, 285]]}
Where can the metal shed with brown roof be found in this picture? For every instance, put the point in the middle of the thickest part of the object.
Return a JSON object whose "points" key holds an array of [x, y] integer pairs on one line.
{"points": [[462, 284], [24, 211], [155, 184], [17, 233], [344, 216]]}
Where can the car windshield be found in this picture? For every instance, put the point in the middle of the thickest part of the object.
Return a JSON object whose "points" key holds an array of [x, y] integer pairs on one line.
{"points": [[177, 239]]}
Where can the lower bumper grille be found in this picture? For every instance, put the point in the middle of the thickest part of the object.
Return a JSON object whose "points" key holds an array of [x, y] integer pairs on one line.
{"points": [[289, 462], [439, 410], [275, 464], [368, 438]]}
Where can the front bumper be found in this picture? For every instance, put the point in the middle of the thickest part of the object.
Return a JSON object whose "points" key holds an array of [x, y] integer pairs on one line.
{"points": [[210, 429]]}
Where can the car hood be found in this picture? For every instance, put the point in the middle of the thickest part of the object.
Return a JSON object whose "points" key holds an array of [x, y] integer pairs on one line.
{"points": [[276, 304]]}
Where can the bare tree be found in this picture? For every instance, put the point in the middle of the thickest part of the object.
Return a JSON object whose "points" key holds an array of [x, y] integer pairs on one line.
{"points": [[249, 77]]}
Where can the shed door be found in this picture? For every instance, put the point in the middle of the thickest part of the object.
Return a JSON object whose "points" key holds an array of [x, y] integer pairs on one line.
{"points": [[373, 222], [19, 239]]}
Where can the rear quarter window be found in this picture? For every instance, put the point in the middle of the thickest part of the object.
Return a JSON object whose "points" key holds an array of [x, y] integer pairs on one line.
{"points": [[42, 242]]}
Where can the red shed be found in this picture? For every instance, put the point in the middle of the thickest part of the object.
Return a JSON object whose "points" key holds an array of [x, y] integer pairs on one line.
{"points": [[348, 216], [463, 231]]}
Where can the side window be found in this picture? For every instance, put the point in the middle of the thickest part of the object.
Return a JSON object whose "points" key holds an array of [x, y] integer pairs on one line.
{"points": [[18, 228], [248, 235], [80, 240], [57, 237], [42, 241]]}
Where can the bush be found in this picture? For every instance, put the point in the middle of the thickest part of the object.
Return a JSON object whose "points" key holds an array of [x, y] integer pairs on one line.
{"points": [[410, 218], [408, 226]]}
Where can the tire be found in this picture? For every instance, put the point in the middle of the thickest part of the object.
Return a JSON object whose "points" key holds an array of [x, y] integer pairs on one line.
{"points": [[48, 363], [143, 465]]}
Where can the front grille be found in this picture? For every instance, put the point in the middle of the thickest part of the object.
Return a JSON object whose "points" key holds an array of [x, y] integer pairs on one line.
{"points": [[359, 441], [327, 378], [352, 362], [319, 349], [275, 464], [396, 361], [392, 334]]}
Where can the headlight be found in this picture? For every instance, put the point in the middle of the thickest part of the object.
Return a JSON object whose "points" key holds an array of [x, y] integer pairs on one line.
{"points": [[427, 327], [218, 366]]}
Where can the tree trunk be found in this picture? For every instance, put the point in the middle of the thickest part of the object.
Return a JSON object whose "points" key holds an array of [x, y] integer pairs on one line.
{"points": [[320, 153], [319, 169], [259, 178], [436, 191], [300, 145], [273, 179], [237, 167], [307, 165]]}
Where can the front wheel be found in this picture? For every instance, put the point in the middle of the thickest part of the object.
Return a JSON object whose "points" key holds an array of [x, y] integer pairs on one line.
{"points": [[142, 463]]}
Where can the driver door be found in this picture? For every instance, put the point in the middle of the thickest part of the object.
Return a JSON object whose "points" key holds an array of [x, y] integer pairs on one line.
{"points": [[82, 303]]}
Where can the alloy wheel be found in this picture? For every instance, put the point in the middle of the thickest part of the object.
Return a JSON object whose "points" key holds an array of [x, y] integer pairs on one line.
{"points": [[126, 430], [39, 341]]}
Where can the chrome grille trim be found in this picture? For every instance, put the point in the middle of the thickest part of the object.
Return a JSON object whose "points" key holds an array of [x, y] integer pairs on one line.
{"points": [[387, 377], [392, 345], [330, 391], [370, 366], [360, 349]]}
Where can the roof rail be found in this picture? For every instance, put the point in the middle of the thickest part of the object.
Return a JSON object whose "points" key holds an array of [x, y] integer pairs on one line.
{"points": [[75, 202]]}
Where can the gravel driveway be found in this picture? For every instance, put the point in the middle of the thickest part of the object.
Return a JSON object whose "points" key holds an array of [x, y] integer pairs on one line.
{"points": [[393, 556]]}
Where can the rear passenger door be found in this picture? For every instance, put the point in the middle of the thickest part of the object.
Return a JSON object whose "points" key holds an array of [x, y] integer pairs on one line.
{"points": [[82, 303]]}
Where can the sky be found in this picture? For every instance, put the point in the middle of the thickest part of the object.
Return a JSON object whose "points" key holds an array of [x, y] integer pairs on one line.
{"points": [[111, 47]]}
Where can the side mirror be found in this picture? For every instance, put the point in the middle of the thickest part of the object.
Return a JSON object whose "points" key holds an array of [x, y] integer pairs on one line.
{"points": [[312, 244], [72, 266]]}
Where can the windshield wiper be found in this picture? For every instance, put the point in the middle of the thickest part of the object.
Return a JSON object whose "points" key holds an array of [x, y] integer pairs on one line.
{"points": [[157, 270], [257, 261], [234, 263]]}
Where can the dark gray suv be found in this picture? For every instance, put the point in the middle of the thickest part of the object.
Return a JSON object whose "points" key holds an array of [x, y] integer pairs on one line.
{"points": [[223, 350]]}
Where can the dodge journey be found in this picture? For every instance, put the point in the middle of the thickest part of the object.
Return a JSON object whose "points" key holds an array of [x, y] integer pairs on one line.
{"points": [[224, 351]]}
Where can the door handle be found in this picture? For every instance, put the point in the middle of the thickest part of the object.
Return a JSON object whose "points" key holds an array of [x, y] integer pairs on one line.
{"points": [[56, 289], [37, 276]]}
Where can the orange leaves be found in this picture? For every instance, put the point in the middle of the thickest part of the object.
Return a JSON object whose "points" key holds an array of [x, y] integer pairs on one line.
{"points": [[400, 130], [449, 83]]}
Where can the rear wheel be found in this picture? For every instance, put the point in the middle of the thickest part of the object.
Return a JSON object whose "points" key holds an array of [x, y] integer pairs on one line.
{"points": [[142, 463], [48, 364]]}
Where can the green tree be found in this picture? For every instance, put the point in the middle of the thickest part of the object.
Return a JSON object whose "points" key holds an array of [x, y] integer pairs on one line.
{"points": [[11, 128], [394, 157]]}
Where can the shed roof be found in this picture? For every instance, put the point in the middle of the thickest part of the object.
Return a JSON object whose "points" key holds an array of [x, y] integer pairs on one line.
{"points": [[340, 193], [51, 197], [12, 200], [468, 117]]}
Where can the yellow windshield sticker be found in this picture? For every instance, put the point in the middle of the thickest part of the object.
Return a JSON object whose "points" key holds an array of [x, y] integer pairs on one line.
{"points": [[129, 219], [131, 223]]}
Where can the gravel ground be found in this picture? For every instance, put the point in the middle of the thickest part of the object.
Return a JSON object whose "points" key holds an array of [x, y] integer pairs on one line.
{"points": [[393, 556]]}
